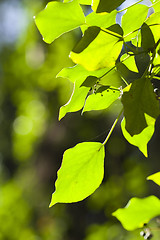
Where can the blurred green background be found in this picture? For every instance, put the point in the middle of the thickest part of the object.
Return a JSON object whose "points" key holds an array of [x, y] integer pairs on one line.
{"points": [[32, 141]]}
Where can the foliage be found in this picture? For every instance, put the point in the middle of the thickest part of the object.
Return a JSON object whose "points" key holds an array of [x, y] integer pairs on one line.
{"points": [[128, 51]]}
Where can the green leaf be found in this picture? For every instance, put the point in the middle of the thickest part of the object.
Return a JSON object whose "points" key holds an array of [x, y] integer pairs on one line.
{"points": [[154, 23], [97, 49], [101, 100], [128, 75], [112, 78], [78, 74], [156, 5], [142, 61], [90, 81], [147, 38], [138, 212], [58, 18], [102, 20], [81, 173], [83, 2], [155, 178], [105, 5], [76, 101], [129, 62], [140, 140], [133, 19], [139, 103]]}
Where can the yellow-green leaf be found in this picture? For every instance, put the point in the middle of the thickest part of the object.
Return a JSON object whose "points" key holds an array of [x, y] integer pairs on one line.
{"points": [[81, 173], [97, 49], [155, 178], [139, 140], [58, 18], [138, 212], [101, 100]]}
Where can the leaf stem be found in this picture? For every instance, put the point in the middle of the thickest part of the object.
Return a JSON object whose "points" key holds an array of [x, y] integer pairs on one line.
{"points": [[112, 128]]}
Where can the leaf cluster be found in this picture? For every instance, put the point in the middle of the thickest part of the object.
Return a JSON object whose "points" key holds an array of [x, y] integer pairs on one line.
{"points": [[114, 62]]}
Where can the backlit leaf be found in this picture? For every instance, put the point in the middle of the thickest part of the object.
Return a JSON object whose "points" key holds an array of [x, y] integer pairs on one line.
{"points": [[75, 102], [154, 23], [81, 173], [58, 18], [138, 212], [133, 19], [101, 100], [97, 49], [78, 74], [103, 20], [155, 178], [83, 2], [139, 140], [105, 5], [129, 62], [139, 102]]}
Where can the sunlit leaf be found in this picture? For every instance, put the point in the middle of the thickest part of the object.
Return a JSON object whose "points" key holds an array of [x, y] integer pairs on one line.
{"points": [[103, 20], [156, 6], [156, 60], [80, 174], [83, 2], [97, 49], [129, 62], [78, 74], [139, 140], [105, 5], [133, 19], [112, 78], [139, 102], [101, 100], [58, 18], [155, 178], [138, 212], [75, 102], [154, 23]]}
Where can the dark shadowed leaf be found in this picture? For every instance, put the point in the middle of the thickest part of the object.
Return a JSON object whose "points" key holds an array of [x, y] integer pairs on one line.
{"points": [[141, 107], [90, 81], [147, 38], [105, 5]]}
